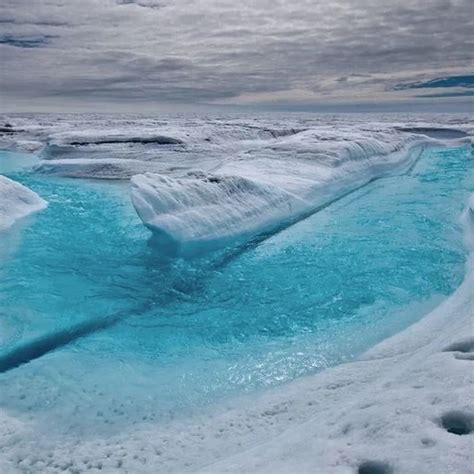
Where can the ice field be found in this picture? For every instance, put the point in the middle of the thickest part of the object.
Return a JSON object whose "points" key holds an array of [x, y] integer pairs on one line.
{"points": [[154, 272]]}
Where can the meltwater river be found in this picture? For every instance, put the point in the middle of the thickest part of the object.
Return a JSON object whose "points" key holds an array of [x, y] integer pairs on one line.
{"points": [[188, 333]]}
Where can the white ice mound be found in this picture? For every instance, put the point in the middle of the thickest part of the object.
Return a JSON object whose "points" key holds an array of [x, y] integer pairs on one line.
{"points": [[204, 209], [266, 190], [16, 202]]}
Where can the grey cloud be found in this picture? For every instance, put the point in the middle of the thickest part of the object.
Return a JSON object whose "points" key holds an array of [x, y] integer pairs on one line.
{"points": [[217, 49]]}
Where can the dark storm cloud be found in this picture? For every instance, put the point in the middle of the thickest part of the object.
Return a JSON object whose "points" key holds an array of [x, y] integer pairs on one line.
{"points": [[221, 50]]}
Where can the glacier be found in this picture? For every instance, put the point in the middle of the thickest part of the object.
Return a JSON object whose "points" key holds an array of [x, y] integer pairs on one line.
{"points": [[17, 202], [203, 183], [114, 359]]}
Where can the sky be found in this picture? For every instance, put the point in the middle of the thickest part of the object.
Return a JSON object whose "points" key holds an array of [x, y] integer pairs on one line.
{"points": [[299, 54]]}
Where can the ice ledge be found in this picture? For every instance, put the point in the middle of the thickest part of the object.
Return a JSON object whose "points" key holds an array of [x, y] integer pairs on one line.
{"points": [[16, 202]]}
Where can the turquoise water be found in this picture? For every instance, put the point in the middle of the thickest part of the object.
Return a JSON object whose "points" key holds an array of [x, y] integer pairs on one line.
{"points": [[189, 333]]}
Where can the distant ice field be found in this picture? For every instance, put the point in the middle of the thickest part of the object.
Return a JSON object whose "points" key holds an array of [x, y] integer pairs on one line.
{"points": [[191, 332], [201, 183]]}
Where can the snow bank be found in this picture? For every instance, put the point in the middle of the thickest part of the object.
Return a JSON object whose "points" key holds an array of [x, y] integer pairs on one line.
{"points": [[16, 201], [269, 188], [201, 209], [199, 143]]}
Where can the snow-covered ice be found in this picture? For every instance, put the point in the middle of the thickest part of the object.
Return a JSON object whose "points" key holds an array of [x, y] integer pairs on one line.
{"points": [[202, 182], [16, 202], [202, 143], [269, 187], [405, 406]]}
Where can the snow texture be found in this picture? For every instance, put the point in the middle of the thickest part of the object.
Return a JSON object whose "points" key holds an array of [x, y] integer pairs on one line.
{"points": [[16, 202]]}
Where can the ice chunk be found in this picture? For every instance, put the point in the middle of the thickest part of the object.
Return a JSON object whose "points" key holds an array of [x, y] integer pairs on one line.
{"points": [[203, 209], [268, 189], [16, 201]]}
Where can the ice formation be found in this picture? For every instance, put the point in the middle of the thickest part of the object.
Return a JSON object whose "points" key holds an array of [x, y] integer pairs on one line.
{"points": [[406, 406], [16, 201], [268, 188], [206, 182]]}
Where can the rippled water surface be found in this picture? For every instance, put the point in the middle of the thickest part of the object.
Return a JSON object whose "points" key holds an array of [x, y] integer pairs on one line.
{"points": [[188, 333]]}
